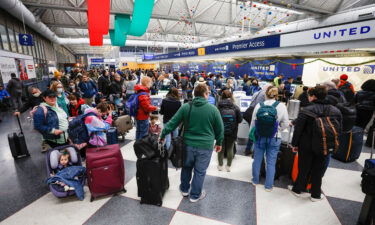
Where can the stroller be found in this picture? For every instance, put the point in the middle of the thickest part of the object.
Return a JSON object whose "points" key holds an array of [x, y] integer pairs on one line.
{"points": [[52, 161]]}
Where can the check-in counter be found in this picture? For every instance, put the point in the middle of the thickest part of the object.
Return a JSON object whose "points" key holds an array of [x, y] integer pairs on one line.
{"points": [[243, 127]]}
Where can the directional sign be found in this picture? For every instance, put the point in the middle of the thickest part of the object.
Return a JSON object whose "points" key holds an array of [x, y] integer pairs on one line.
{"points": [[25, 39]]}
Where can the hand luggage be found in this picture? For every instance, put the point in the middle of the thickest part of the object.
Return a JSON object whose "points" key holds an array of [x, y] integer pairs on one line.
{"points": [[152, 178], [350, 146], [295, 172], [123, 124], [293, 109], [17, 143], [105, 170], [112, 136], [146, 147], [370, 163]]}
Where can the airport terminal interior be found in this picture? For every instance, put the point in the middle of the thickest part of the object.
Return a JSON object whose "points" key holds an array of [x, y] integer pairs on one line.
{"points": [[100, 84]]}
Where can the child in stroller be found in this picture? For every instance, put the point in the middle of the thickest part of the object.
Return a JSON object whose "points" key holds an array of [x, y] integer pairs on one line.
{"points": [[65, 172]]}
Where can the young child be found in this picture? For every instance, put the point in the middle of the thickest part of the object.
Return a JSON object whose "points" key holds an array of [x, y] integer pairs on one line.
{"points": [[64, 161], [154, 125]]}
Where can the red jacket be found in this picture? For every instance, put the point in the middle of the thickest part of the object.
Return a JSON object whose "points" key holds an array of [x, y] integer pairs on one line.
{"points": [[76, 111], [144, 103], [344, 82]]}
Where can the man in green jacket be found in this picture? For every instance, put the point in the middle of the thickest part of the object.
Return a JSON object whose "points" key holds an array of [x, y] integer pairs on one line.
{"points": [[204, 127], [277, 81]]}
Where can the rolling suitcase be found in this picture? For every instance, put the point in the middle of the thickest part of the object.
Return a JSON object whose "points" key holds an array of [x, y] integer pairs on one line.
{"points": [[152, 178], [105, 170], [112, 136], [350, 145], [17, 143], [370, 163]]}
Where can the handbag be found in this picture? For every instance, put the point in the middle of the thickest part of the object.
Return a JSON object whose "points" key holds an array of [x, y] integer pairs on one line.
{"points": [[178, 146]]}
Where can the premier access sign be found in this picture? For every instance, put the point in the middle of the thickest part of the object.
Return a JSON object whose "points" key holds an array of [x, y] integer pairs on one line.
{"points": [[25, 39]]}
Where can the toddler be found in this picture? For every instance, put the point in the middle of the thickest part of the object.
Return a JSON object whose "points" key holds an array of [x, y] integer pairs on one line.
{"points": [[64, 161], [154, 125]]}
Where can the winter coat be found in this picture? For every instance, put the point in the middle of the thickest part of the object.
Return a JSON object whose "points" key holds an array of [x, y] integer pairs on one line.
{"points": [[205, 124], [227, 103], [76, 110], [46, 123], [116, 87], [97, 126], [104, 85], [88, 89], [31, 103], [303, 125], [144, 103], [169, 106], [14, 87], [365, 105]]}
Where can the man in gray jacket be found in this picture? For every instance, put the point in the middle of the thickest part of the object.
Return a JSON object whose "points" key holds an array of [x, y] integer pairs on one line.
{"points": [[14, 88]]}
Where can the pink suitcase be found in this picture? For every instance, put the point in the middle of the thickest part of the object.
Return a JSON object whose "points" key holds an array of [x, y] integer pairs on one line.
{"points": [[105, 170]]}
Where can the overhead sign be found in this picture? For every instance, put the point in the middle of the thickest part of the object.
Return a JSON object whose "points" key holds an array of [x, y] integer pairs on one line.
{"points": [[97, 60], [25, 39], [319, 72], [148, 56], [30, 69], [7, 66], [348, 32], [244, 45]]}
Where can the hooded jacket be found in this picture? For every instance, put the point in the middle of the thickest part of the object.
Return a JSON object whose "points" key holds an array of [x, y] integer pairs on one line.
{"points": [[168, 108], [205, 124], [227, 103], [144, 103]]}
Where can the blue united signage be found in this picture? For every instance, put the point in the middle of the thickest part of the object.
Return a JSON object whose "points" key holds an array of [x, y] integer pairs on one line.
{"points": [[97, 60], [244, 45], [25, 39]]}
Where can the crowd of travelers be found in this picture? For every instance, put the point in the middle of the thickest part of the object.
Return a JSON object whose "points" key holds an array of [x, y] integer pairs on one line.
{"points": [[209, 115]]}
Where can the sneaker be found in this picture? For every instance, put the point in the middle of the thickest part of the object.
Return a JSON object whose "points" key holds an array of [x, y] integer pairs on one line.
{"points": [[268, 189], [317, 199], [203, 195], [227, 168], [290, 188], [254, 184], [184, 194], [220, 168]]}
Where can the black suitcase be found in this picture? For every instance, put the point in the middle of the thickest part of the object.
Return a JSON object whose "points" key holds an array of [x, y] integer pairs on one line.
{"points": [[152, 179], [112, 136], [17, 143], [350, 146], [146, 147]]}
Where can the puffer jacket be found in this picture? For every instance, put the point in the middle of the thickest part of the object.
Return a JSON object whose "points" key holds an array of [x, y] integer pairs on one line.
{"points": [[144, 103], [334, 97], [227, 103], [46, 123], [303, 125], [365, 100]]}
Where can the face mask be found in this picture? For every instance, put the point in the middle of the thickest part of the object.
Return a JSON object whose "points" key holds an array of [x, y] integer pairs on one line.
{"points": [[72, 86], [36, 94], [59, 90]]}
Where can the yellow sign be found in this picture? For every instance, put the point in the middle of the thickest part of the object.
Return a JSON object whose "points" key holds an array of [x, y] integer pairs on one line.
{"points": [[201, 51]]}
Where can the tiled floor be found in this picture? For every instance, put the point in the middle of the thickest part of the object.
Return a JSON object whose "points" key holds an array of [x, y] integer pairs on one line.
{"points": [[25, 199]]}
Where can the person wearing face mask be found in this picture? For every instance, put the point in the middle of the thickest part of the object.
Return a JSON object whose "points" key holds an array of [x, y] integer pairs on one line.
{"points": [[254, 88], [51, 121], [34, 100], [95, 124], [73, 88], [62, 100]]}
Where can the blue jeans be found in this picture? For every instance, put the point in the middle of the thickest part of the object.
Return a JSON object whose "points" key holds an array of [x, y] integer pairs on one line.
{"points": [[142, 129], [199, 160], [269, 147], [168, 137]]}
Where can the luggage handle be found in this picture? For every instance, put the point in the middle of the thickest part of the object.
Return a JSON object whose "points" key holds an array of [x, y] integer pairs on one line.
{"points": [[373, 143], [19, 124], [289, 135]]}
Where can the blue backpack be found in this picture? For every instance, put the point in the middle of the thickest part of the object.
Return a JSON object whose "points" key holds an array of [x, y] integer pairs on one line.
{"points": [[132, 104], [77, 130], [266, 124]]}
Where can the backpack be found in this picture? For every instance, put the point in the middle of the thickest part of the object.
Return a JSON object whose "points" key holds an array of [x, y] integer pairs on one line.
{"points": [[348, 93], [349, 115], [228, 115], [132, 104], [266, 124], [77, 130], [325, 134], [32, 112], [184, 83]]}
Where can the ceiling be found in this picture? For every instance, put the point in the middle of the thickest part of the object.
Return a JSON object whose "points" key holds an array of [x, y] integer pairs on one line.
{"points": [[186, 21]]}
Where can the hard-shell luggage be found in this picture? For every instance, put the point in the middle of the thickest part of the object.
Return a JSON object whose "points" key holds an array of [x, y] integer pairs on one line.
{"points": [[152, 178], [370, 163], [293, 108], [350, 145], [112, 136], [17, 143], [123, 124], [105, 170]]}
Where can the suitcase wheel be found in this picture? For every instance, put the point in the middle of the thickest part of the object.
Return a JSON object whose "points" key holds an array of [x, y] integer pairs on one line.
{"points": [[91, 199], [124, 190]]}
